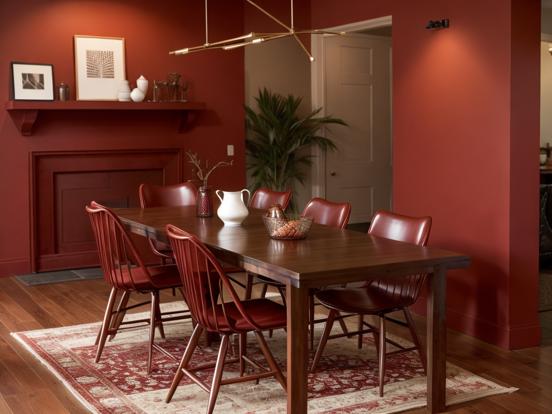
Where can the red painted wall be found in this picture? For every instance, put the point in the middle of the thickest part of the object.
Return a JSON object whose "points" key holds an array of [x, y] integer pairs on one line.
{"points": [[42, 31], [466, 128]]}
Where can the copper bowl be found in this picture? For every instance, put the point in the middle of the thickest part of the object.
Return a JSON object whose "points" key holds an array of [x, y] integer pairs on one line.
{"points": [[287, 229]]}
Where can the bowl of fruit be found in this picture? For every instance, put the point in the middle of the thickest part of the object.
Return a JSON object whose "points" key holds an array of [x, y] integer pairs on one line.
{"points": [[281, 228]]}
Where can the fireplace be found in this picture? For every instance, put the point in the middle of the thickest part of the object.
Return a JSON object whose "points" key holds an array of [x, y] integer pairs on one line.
{"points": [[64, 182]]}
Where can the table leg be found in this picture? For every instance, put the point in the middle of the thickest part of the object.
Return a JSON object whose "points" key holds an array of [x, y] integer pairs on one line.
{"points": [[297, 349], [436, 340]]}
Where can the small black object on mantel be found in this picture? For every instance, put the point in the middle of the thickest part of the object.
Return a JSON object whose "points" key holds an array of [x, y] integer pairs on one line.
{"points": [[63, 90], [438, 24]]}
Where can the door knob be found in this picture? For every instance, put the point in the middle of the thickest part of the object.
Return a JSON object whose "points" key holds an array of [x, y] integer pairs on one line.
{"points": [[333, 173]]}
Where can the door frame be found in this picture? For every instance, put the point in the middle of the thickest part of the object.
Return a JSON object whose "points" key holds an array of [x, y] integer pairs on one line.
{"points": [[318, 93]]}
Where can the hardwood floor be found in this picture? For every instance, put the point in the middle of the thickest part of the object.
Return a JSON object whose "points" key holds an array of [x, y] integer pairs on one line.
{"points": [[27, 387]]}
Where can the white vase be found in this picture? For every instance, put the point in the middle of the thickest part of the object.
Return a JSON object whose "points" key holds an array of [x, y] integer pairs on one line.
{"points": [[142, 84], [123, 93], [137, 95], [232, 210]]}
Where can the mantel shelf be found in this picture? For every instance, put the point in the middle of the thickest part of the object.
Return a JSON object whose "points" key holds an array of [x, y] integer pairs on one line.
{"points": [[25, 113]]}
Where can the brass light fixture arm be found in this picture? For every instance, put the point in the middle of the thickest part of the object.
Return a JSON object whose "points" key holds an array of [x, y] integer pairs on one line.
{"points": [[285, 26], [255, 38], [206, 24], [311, 58]]}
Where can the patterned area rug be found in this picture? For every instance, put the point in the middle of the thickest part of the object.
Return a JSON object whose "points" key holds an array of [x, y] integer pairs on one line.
{"points": [[346, 381]]}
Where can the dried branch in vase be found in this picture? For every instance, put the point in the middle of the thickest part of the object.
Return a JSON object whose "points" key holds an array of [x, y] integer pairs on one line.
{"points": [[204, 171]]}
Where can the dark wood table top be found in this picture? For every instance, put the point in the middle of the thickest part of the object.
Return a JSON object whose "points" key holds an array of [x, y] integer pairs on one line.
{"points": [[326, 256]]}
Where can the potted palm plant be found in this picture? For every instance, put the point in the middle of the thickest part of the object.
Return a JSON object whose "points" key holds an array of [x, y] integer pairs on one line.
{"points": [[279, 140]]}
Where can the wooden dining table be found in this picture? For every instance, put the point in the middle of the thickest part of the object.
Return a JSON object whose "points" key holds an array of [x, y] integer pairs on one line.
{"points": [[326, 257]]}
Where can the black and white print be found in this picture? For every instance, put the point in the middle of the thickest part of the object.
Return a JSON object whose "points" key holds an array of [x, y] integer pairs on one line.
{"points": [[32, 81], [100, 64]]}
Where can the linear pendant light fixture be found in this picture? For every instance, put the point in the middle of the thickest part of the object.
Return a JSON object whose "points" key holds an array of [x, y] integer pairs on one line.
{"points": [[254, 38]]}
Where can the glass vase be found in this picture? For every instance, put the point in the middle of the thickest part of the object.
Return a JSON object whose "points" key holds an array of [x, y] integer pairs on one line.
{"points": [[204, 202]]}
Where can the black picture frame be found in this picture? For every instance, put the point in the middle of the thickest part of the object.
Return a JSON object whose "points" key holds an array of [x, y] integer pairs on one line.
{"points": [[31, 81]]}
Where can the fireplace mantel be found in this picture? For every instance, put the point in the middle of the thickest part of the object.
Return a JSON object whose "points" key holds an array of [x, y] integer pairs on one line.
{"points": [[26, 113]]}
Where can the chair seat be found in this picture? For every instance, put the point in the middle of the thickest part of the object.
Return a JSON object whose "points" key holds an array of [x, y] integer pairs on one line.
{"points": [[363, 300], [162, 277], [263, 312]]}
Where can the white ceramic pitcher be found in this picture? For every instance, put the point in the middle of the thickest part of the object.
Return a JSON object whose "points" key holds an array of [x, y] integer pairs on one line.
{"points": [[232, 210]]}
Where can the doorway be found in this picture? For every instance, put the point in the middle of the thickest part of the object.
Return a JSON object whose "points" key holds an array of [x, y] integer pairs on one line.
{"points": [[351, 80], [545, 230]]}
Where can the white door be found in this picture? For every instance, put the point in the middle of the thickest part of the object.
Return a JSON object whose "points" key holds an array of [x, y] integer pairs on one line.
{"points": [[358, 90]]}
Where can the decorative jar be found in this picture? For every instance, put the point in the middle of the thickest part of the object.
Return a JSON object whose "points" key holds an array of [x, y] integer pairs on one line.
{"points": [[204, 202]]}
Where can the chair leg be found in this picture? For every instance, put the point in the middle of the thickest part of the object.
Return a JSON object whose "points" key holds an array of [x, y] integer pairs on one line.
{"points": [[153, 319], [376, 340], [263, 291], [270, 359], [323, 339], [159, 321], [382, 352], [120, 314], [282, 292], [248, 285], [311, 319], [106, 322], [343, 326], [242, 350], [190, 348], [415, 338], [217, 375], [360, 328], [282, 295]]}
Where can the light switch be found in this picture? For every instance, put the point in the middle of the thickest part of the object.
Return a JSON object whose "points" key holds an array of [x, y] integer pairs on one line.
{"points": [[230, 150]]}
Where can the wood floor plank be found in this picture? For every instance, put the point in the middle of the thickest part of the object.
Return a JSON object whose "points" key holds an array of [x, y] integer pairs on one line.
{"points": [[4, 407], [26, 386]]}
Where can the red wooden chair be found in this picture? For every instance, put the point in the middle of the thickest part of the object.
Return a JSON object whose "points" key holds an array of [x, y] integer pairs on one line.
{"points": [[262, 199], [204, 284], [330, 214], [126, 272], [327, 213], [184, 194], [379, 297]]}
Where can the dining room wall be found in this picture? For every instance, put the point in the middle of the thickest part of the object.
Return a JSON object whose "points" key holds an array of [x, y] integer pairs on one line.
{"points": [[280, 66], [466, 138], [42, 31]]}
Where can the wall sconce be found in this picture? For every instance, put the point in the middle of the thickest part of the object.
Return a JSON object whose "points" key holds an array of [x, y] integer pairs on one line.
{"points": [[438, 24]]}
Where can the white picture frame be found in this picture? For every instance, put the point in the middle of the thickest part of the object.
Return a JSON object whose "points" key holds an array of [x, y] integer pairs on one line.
{"points": [[32, 81], [99, 67]]}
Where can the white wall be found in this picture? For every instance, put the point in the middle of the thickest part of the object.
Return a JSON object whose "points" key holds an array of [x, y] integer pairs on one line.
{"points": [[546, 94], [546, 74], [546, 20], [281, 66]]}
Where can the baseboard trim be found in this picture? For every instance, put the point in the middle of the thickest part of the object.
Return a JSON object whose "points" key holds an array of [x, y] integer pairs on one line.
{"points": [[12, 267], [506, 337]]}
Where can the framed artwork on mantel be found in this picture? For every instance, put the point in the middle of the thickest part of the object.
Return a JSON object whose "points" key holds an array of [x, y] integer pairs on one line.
{"points": [[99, 67], [32, 81]]}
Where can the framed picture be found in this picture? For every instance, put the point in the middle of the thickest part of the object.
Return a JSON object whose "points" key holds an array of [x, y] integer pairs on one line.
{"points": [[32, 81], [99, 67]]}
